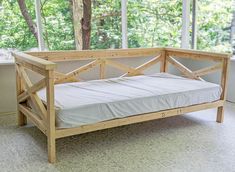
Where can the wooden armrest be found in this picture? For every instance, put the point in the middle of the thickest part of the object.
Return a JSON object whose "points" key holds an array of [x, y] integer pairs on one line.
{"points": [[41, 63]]}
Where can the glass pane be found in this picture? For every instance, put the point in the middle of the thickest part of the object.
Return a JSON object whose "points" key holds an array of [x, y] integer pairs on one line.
{"points": [[154, 23], [106, 24], [214, 21]]}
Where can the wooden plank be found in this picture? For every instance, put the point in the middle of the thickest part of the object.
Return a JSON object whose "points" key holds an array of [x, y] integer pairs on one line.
{"points": [[139, 70], [135, 119], [102, 69], [149, 64], [33, 118], [76, 72], [193, 56], [50, 117], [207, 70], [31, 67], [59, 75], [163, 66], [19, 90], [196, 54], [70, 55], [35, 87], [121, 66], [224, 85], [35, 99], [224, 78], [183, 69], [41, 63]]}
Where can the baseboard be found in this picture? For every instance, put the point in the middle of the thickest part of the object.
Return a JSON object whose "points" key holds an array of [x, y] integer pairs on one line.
{"points": [[7, 113]]}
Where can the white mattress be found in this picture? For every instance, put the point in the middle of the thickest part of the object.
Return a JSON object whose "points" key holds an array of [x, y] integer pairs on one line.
{"points": [[82, 103]]}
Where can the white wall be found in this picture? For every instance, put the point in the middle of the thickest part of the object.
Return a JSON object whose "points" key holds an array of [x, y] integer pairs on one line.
{"points": [[7, 88]]}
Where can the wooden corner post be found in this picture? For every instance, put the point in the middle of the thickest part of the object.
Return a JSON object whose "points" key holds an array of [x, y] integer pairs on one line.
{"points": [[224, 80], [51, 139], [163, 65], [22, 120]]}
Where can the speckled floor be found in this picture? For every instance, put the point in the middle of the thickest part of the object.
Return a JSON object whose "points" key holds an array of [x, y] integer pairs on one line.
{"points": [[193, 142]]}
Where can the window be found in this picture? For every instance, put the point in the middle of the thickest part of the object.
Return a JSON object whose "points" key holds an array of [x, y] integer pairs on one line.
{"points": [[154, 23], [214, 25]]}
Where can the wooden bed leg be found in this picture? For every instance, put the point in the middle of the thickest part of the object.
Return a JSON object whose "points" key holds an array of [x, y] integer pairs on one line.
{"points": [[220, 114], [51, 149], [22, 120], [51, 140], [224, 80]]}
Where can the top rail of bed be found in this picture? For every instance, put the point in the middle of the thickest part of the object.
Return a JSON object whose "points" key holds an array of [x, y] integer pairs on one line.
{"points": [[32, 60], [69, 55]]}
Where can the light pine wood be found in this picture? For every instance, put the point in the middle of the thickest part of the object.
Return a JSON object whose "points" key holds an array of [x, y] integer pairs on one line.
{"points": [[103, 58], [33, 89], [196, 55], [33, 118], [148, 64], [207, 70], [37, 103], [139, 70], [183, 69], [22, 120], [102, 69], [163, 66], [224, 80], [135, 119], [60, 76], [35, 61], [78, 71], [56, 56], [30, 67], [121, 66], [50, 117]]}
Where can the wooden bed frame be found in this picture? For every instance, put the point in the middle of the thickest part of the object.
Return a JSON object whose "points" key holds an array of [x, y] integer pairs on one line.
{"points": [[43, 116]]}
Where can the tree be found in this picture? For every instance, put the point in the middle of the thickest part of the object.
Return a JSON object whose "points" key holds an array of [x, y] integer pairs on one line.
{"points": [[86, 24], [77, 13], [150, 23], [27, 17], [82, 23]]}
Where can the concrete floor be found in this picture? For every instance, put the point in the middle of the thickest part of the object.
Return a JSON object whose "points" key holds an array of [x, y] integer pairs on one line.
{"points": [[193, 142]]}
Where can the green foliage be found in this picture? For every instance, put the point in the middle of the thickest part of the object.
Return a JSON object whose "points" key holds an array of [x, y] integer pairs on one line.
{"points": [[154, 23], [58, 26], [14, 32], [214, 18], [150, 23]]}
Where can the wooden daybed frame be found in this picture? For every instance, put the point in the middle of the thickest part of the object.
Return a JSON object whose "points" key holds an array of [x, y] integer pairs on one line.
{"points": [[43, 64]]}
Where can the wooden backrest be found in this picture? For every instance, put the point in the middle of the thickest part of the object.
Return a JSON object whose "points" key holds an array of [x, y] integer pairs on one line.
{"points": [[42, 61]]}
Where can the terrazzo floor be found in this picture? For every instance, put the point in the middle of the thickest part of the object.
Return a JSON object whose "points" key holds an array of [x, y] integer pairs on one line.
{"points": [[192, 142]]}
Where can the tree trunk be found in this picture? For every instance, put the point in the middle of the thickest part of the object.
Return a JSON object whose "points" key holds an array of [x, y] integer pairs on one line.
{"points": [[27, 17], [86, 24], [77, 8]]}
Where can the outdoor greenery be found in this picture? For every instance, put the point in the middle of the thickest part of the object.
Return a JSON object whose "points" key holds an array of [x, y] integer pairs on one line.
{"points": [[150, 23]]}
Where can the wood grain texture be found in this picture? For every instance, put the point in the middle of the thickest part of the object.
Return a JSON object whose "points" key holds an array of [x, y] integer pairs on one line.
{"points": [[224, 85]]}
